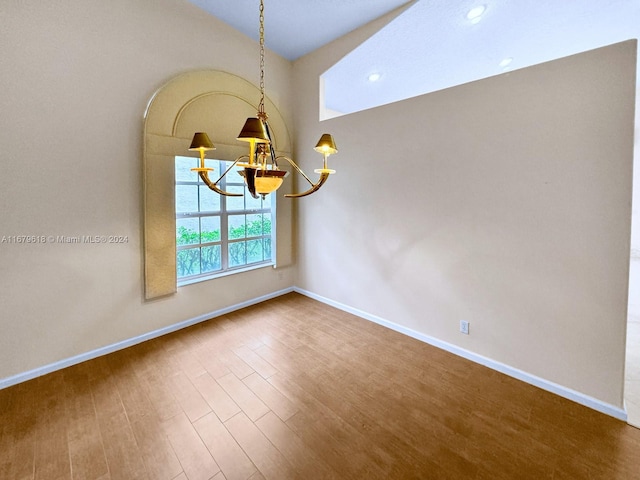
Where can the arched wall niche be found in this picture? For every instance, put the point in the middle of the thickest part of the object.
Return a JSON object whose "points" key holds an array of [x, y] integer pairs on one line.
{"points": [[200, 101]]}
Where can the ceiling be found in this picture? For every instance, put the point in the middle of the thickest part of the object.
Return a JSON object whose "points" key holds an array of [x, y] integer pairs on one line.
{"points": [[432, 44], [294, 28]]}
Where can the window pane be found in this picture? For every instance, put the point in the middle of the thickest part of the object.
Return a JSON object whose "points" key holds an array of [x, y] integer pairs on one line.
{"points": [[210, 229], [209, 200], [235, 203], [254, 225], [267, 248], [188, 262], [266, 224], [187, 231], [211, 260], [186, 198], [253, 203], [183, 172], [237, 254], [215, 164], [233, 176], [204, 247], [255, 251], [266, 203], [237, 228]]}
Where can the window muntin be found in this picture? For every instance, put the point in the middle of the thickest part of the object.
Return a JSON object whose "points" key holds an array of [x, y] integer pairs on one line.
{"points": [[216, 234]]}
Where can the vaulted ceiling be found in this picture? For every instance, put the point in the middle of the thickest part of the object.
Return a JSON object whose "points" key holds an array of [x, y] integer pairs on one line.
{"points": [[296, 27], [432, 44]]}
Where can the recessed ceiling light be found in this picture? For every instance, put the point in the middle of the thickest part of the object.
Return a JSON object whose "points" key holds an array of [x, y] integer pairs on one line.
{"points": [[374, 77], [506, 61], [476, 13]]}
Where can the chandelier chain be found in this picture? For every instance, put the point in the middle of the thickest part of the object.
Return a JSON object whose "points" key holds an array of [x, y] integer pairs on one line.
{"points": [[261, 111]]}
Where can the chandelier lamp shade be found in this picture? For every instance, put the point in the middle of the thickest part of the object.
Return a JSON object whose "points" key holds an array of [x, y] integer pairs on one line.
{"points": [[260, 167]]}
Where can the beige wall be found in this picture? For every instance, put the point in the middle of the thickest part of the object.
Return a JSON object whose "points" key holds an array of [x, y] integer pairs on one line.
{"points": [[75, 79], [504, 202]]}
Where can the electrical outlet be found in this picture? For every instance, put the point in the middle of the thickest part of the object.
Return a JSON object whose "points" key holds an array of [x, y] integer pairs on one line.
{"points": [[464, 327]]}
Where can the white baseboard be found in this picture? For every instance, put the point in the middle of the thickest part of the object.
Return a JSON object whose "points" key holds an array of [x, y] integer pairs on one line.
{"points": [[500, 367], [38, 372], [565, 392]]}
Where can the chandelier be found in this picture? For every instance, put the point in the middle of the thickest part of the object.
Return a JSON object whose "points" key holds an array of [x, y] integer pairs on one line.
{"points": [[260, 167]]}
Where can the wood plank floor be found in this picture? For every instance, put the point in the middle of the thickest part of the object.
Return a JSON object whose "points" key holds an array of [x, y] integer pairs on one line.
{"points": [[290, 389]]}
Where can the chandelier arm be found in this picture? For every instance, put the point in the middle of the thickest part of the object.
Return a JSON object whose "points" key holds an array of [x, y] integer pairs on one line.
{"points": [[205, 178], [315, 187], [298, 169], [230, 167]]}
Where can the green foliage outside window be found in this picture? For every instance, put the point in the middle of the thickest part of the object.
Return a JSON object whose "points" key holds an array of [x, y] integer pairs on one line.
{"points": [[194, 261], [186, 236]]}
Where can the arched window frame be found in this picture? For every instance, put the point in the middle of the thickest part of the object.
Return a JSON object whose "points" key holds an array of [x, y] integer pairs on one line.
{"points": [[204, 100]]}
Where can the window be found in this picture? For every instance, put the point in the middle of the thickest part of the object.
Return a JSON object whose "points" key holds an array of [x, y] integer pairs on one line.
{"points": [[216, 234]]}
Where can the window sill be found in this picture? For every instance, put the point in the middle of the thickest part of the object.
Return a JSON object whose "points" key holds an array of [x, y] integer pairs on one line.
{"points": [[204, 278]]}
